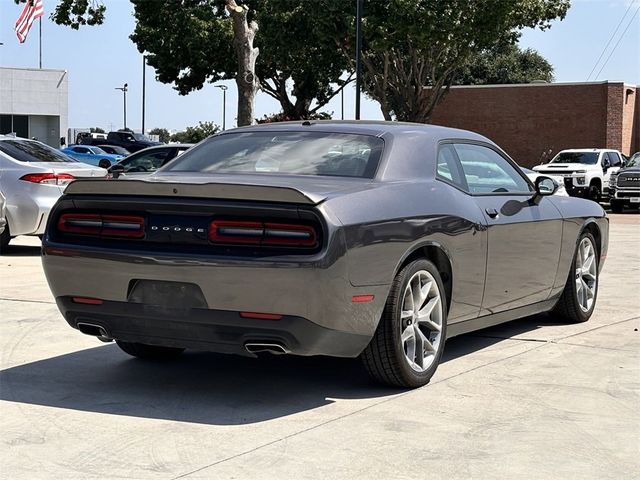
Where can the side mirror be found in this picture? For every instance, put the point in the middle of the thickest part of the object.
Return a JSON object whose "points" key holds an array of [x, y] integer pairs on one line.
{"points": [[546, 186], [606, 164], [116, 170]]}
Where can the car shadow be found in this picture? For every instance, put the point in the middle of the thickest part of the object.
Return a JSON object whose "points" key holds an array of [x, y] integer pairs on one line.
{"points": [[209, 388], [21, 251]]}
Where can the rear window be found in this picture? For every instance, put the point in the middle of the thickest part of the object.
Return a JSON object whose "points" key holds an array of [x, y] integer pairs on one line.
{"points": [[32, 151], [288, 153]]}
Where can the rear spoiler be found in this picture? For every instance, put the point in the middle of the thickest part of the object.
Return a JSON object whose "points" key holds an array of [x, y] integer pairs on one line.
{"points": [[227, 191]]}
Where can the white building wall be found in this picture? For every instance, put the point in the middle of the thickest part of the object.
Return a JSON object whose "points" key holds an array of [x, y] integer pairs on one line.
{"points": [[37, 92]]}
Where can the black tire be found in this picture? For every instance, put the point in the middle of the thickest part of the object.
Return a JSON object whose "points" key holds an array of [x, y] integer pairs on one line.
{"points": [[594, 192], [5, 238], [149, 352], [568, 308], [104, 163], [384, 358], [616, 207]]}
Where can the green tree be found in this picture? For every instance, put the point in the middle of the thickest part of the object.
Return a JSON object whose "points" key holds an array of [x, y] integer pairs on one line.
{"points": [[504, 64], [414, 48], [196, 134], [163, 134], [191, 43], [96, 130]]}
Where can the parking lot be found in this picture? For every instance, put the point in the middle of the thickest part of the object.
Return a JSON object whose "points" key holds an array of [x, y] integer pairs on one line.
{"points": [[529, 399]]}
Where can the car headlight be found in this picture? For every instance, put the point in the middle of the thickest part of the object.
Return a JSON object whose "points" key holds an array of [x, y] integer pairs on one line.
{"points": [[580, 180], [580, 171]]}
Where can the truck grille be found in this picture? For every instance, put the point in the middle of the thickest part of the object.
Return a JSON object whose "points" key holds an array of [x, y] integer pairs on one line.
{"points": [[628, 180]]}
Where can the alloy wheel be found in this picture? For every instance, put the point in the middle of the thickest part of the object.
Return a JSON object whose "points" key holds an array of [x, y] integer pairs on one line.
{"points": [[586, 274], [421, 321]]}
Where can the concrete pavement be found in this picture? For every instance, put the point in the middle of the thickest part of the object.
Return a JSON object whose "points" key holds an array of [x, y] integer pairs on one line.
{"points": [[530, 399]]}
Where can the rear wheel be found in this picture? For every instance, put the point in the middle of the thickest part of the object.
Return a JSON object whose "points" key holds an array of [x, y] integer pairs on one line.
{"points": [[407, 346], [578, 298], [149, 352], [616, 207]]}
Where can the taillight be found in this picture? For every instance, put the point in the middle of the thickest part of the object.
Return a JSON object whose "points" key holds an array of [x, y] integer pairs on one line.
{"points": [[105, 225], [48, 178], [262, 233]]}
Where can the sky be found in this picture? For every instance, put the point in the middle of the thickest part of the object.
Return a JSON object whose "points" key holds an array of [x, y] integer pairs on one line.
{"points": [[99, 59]]}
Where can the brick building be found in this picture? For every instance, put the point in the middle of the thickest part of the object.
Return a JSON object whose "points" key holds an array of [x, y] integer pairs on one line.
{"points": [[531, 119]]}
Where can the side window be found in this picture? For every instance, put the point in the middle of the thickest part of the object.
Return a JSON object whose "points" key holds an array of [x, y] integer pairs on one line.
{"points": [[614, 159], [80, 150], [447, 167], [148, 162], [486, 171]]}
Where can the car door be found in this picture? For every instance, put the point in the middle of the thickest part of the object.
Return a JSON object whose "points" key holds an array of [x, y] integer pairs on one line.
{"points": [[524, 230], [611, 163]]}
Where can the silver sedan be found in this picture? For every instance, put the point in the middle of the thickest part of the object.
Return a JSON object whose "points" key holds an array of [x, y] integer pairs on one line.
{"points": [[32, 178]]}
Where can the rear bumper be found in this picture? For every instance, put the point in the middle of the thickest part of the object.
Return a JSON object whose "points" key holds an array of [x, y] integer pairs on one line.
{"points": [[212, 330], [314, 297]]}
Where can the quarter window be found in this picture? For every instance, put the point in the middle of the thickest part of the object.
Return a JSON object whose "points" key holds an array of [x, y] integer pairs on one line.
{"points": [[448, 168], [486, 171]]}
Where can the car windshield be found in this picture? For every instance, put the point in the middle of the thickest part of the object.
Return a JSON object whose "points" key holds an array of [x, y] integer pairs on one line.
{"points": [[97, 150], [284, 153], [141, 138], [634, 161], [586, 158], [32, 151]]}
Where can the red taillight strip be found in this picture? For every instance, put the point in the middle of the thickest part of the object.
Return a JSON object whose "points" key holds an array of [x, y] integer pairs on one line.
{"points": [[87, 300], [221, 231], [287, 234], [107, 225], [275, 234], [261, 316], [362, 298]]}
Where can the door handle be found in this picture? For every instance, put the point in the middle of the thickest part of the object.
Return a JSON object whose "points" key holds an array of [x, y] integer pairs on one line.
{"points": [[492, 212]]}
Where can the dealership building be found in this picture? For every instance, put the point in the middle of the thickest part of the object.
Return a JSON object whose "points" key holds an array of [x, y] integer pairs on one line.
{"points": [[34, 103], [534, 121]]}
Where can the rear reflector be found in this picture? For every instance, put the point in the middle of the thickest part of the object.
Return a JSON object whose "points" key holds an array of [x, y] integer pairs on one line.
{"points": [[48, 178], [259, 233], [261, 316], [105, 225], [87, 301], [362, 298]]}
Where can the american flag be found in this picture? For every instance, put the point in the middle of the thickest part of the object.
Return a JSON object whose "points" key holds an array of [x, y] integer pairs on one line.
{"points": [[32, 10]]}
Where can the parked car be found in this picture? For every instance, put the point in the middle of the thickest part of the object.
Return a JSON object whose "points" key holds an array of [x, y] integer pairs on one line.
{"points": [[122, 138], [92, 155], [32, 178], [533, 176], [586, 172], [115, 150], [625, 186], [3, 216], [371, 239], [148, 160]]}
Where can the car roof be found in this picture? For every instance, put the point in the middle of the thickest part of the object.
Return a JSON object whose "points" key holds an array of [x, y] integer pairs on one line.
{"points": [[589, 150], [376, 128]]}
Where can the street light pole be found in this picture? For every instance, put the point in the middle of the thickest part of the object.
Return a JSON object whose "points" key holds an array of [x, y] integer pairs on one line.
{"points": [[224, 105], [359, 6], [124, 92], [144, 88]]}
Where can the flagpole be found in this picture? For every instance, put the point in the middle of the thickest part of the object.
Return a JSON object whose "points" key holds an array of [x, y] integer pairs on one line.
{"points": [[40, 28]]}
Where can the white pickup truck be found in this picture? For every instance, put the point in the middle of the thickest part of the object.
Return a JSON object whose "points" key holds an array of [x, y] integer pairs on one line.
{"points": [[586, 172]]}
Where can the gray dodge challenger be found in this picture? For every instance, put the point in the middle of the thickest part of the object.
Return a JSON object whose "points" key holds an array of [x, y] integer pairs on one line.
{"points": [[371, 239]]}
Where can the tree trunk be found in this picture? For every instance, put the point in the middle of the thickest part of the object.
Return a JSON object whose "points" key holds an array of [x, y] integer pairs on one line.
{"points": [[244, 33]]}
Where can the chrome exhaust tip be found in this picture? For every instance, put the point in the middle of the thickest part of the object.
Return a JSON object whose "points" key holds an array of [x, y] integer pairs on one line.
{"points": [[274, 348], [95, 331]]}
